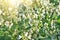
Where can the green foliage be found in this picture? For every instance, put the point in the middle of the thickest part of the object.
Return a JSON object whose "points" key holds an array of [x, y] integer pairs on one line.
{"points": [[37, 21]]}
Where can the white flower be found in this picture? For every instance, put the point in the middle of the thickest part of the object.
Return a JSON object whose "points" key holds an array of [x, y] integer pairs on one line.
{"points": [[7, 23], [24, 16], [35, 16], [45, 2], [19, 37], [32, 39], [57, 10], [52, 24], [0, 11], [46, 24], [26, 34]]}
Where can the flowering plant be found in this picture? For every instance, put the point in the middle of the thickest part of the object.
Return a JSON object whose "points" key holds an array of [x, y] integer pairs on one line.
{"points": [[29, 20]]}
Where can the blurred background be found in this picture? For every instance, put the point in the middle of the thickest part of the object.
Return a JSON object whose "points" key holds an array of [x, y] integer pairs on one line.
{"points": [[29, 19]]}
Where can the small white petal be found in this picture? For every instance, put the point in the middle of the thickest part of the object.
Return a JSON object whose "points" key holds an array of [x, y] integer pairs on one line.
{"points": [[7, 23], [19, 37], [26, 34]]}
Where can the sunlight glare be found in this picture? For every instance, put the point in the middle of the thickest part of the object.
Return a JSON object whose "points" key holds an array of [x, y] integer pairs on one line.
{"points": [[13, 2]]}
